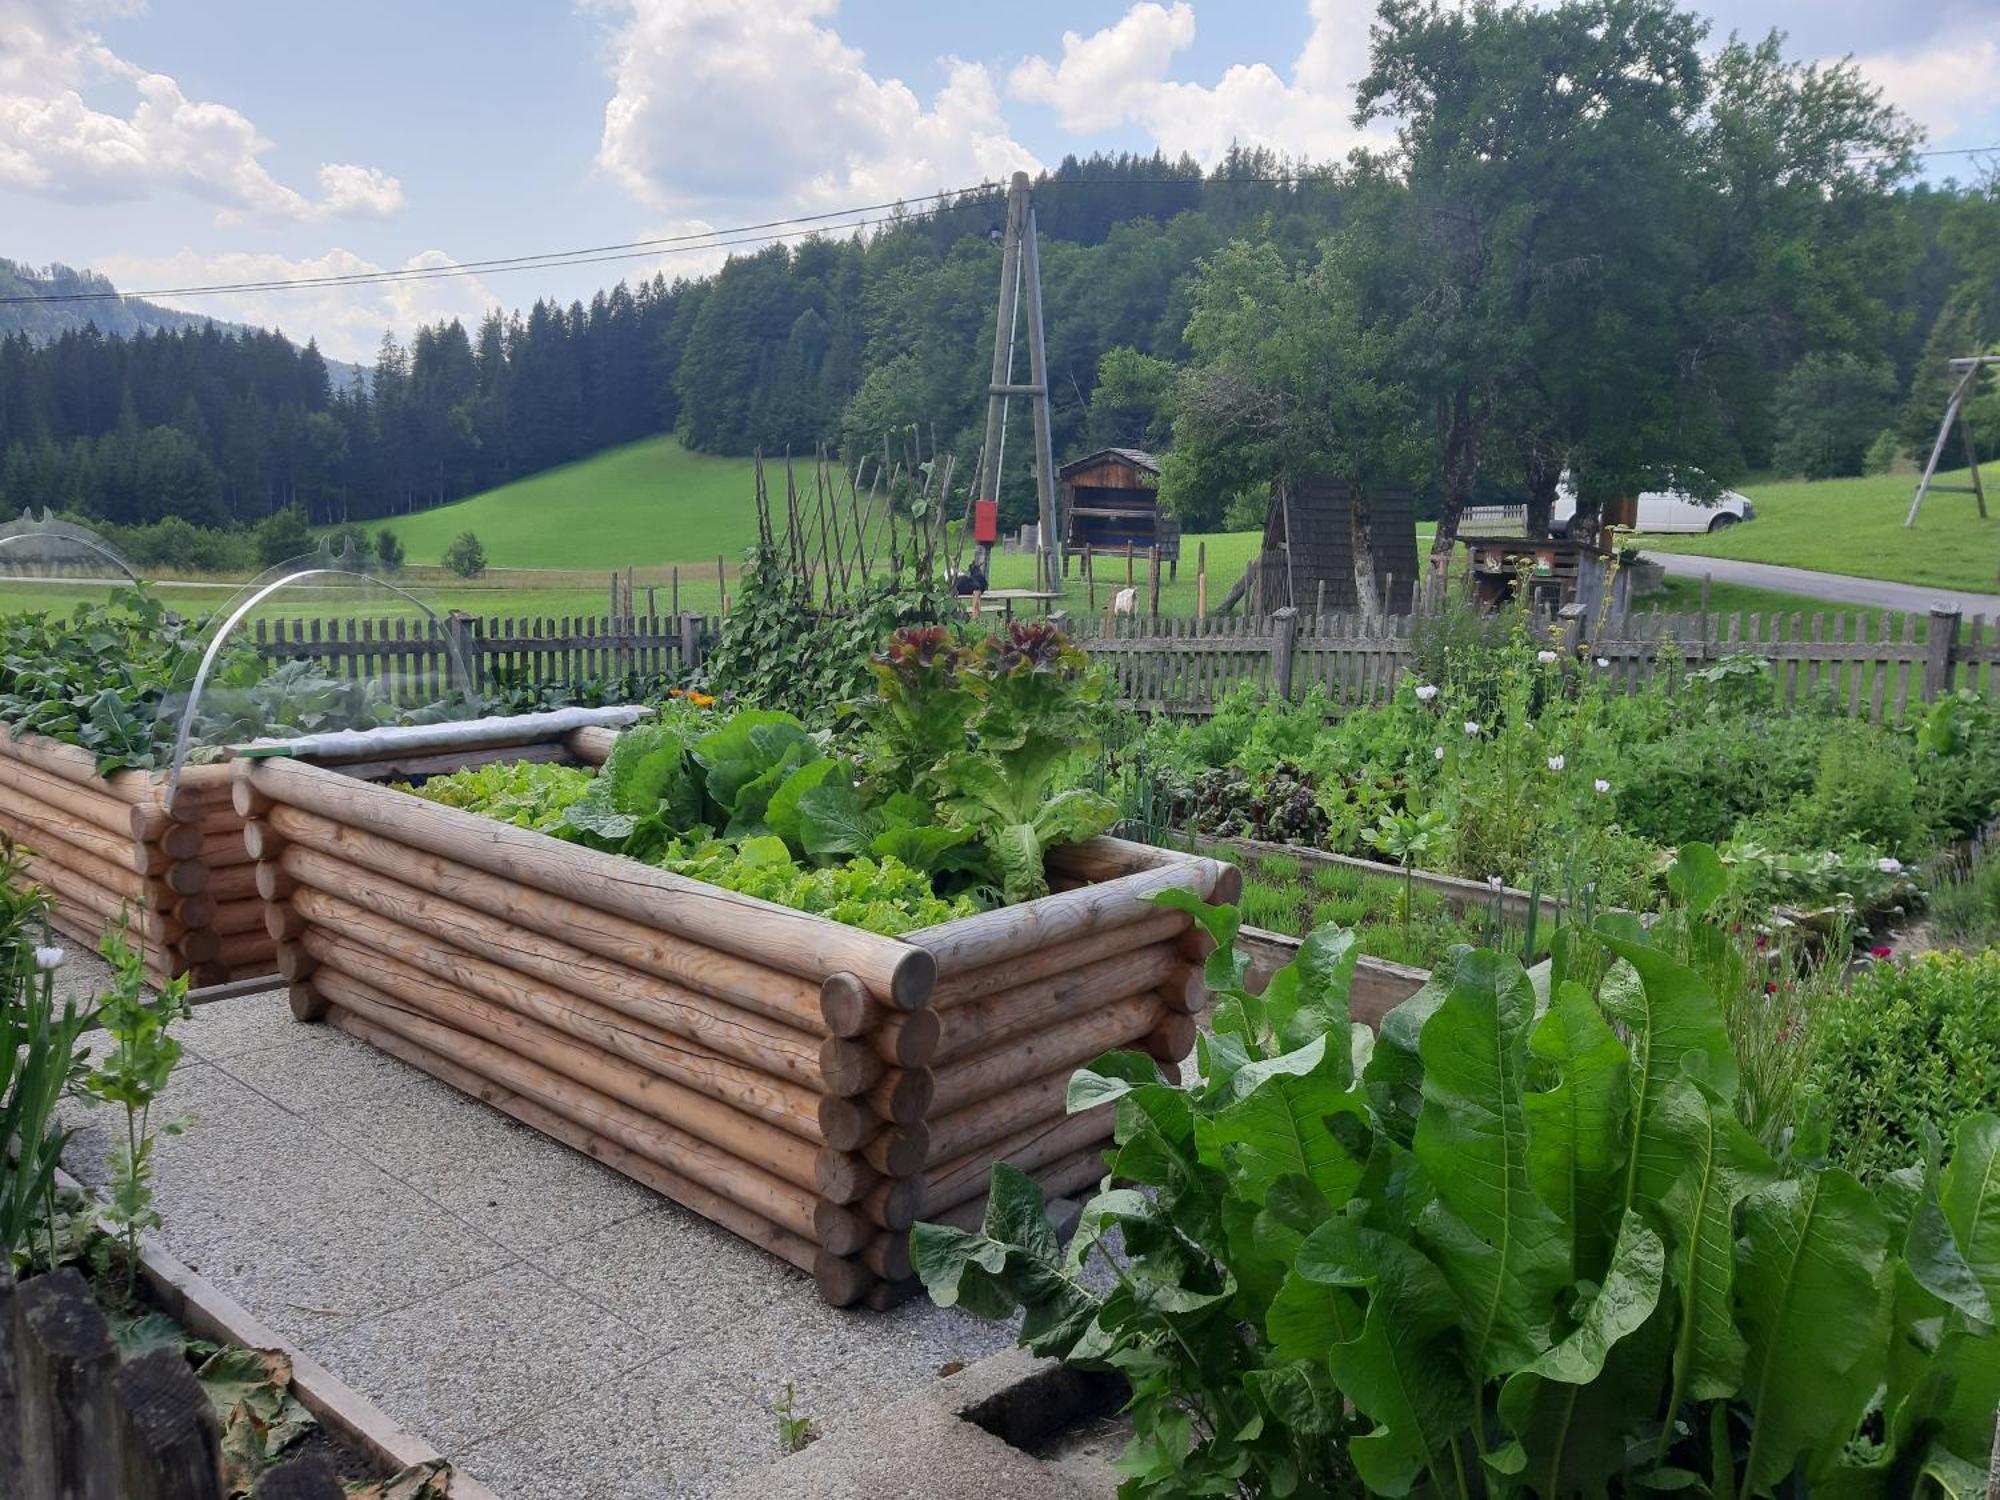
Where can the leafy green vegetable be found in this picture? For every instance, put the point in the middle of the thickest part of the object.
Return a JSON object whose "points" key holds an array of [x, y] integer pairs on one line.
{"points": [[1528, 1250]]}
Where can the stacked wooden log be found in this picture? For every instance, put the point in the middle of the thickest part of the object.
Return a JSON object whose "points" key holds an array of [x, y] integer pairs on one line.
{"points": [[812, 1087], [119, 847]]}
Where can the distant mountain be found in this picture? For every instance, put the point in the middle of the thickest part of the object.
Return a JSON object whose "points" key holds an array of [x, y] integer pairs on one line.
{"points": [[124, 317]]}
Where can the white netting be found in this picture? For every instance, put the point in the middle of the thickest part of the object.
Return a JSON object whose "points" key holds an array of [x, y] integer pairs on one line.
{"points": [[319, 645]]}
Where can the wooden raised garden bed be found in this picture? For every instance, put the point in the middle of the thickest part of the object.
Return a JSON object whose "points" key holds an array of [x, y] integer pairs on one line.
{"points": [[112, 846], [813, 1087]]}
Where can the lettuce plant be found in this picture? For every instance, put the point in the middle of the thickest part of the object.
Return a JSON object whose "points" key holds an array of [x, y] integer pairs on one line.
{"points": [[1518, 1244]]}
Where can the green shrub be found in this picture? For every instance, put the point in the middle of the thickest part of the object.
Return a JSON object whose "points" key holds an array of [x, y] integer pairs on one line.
{"points": [[1865, 792], [1965, 905], [466, 556], [1908, 1047], [389, 549], [1882, 453], [282, 536], [1693, 784]]}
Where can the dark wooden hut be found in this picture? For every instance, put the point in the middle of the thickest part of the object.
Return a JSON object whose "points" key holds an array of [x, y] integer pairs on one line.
{"points": [[1111, 500], [1308, 554]]}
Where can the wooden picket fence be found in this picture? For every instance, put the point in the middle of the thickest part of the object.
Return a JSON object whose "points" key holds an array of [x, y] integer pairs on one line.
{"points": [[417, 660], [1871, 666], [77, 1420]]}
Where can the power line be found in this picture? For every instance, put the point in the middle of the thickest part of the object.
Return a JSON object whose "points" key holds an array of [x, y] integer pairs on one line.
{"points": [[680, 244], [770, 231]]}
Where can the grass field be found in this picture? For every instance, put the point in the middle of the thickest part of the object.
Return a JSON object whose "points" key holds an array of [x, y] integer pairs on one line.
{"points": [[640, 505], [1856, 526]]}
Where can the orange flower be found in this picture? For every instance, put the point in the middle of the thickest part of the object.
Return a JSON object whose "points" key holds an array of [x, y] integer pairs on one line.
{"points": [[701, 700]]}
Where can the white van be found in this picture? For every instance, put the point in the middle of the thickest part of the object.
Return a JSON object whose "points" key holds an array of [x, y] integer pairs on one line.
{"points": [[1665, 511]]}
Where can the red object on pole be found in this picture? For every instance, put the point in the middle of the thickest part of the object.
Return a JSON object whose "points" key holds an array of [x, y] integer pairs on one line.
{"points": [[986, 522]]}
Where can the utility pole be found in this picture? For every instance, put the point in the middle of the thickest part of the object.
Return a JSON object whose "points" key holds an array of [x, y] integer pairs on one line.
{"points": [[1020, 266]]}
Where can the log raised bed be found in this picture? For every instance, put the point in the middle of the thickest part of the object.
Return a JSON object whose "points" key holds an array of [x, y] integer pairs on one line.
{"points": [[180, 875], [112, 846], [812, 1087]]}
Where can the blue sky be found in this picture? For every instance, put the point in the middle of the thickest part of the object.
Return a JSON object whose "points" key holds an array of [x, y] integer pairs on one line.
{"points": [[184, 142]]}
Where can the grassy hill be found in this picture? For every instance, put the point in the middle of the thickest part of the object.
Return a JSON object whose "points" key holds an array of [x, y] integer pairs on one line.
{"points": [[1856, 526], [641, 505]]}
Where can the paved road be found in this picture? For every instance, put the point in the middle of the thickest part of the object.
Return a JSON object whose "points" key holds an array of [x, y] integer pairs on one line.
{"points": [[1873, 593]]}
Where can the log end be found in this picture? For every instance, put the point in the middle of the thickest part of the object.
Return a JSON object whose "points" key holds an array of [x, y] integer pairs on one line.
{"points": [[273, 884], [886, 1296], [900, 1151], [294, 963], [895, 1205], [245, 798], [260, 841], [888, 1256], [1172, 1039], [913, 979], [848, 1066], [910, 1101], [841, 1282], [1228, 888], [846, 1006], [839, 1229], [282, 923], [1186, 992], [842, 1176], [198, 945], [307, 1003], [844, 1122], [914, 1040]]}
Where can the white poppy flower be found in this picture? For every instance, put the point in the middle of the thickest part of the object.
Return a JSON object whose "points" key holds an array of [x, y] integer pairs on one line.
{"points": [[1555, 762], [1496, 882], [1889, 866], [1603, 661], [1472, 726], [1603, 786], [1437, 752], [1426, 692], [48, 958], [1545, 657]]}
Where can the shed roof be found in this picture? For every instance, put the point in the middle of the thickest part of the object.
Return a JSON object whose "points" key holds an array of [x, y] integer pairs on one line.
{"points": [[1138, 458]]}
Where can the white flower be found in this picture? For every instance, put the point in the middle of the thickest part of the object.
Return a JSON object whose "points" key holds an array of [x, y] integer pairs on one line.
{"points": [[1545, 657], [1889, 866], [1496, 882], [48, 958], [1603, 661], [1472, 726], [1555, 762], [1603, 786], [1426, 692], [1437, 752]]}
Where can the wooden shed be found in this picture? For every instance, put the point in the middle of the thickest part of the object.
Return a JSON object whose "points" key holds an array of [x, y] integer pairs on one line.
{"points": [[1111, 500], [1308, 554]]}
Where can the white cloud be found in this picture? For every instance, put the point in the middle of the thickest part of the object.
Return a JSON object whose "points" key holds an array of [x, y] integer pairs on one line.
{"points": [[1112, 74], [1119, 75], [718, 103], [347, 320], [56, 143], [1944, 86]]}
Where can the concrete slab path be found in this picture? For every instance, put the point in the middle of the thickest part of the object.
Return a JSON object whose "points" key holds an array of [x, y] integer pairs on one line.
{"points": [[553, 1328], [1870, 593]]}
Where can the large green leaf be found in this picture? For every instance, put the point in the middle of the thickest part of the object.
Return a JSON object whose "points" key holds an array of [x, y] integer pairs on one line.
{"points": [[832, 820], [1720, 1166], [1396, 1072], [1309, 995], [1669, 1016], [1576, 1409], [781, 814], [1574, 1138], [744, 748], [1969, 1194], [1404, 1372], [1278, 1120], [1017, 852], [1503, 1249], [1808, 1266]]}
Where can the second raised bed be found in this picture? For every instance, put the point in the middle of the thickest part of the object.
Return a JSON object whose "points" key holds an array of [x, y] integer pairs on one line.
{"points": [[810, 1086]]}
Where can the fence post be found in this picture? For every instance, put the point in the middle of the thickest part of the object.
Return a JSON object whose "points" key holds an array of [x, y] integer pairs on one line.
{"points": [[167, 1430], [1284, 636], [461, 656], [64, 1359], [11, 1480], [1940, 648], [690, 641]]}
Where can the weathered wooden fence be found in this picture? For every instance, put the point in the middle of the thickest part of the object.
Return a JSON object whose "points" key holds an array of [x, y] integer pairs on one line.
{"points": [[1872, 665], [77, 1421], [417, 659]]}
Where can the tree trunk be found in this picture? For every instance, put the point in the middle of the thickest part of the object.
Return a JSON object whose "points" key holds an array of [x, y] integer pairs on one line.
{"points": [[1361, 540], [1461, 422], [1543, 471]]}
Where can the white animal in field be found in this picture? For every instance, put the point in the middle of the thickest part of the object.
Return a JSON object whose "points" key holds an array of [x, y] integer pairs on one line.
{"points": [[1126, 602]]}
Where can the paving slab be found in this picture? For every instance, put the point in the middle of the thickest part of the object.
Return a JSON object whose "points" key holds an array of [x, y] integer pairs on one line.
{"points": [[553, 1328]]}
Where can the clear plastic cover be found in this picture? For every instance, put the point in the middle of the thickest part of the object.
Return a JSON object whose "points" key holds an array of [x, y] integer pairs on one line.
{"points": [[315, 646], [56, 552]]}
